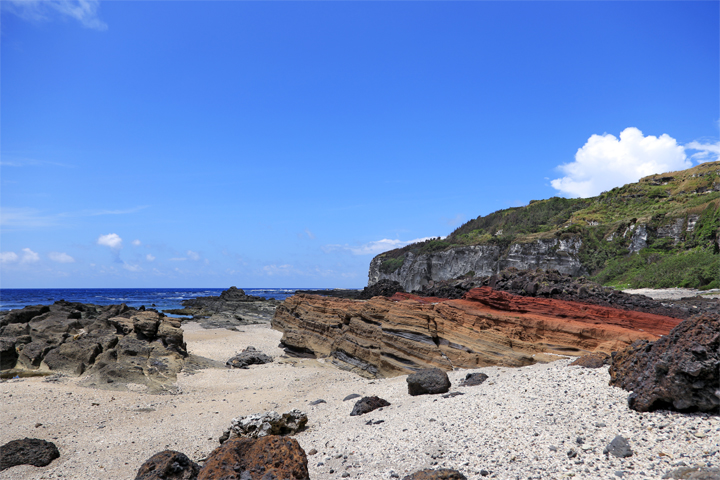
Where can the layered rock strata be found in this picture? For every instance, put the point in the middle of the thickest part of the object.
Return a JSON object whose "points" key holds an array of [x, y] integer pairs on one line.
{"points": [[404, 334]]}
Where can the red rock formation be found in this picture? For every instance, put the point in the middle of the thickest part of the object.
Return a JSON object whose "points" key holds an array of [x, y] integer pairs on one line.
{"points": [[384, 337]]}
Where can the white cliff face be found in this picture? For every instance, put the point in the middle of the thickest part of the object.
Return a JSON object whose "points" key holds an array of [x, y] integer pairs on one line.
{"points": [[418, 271]]}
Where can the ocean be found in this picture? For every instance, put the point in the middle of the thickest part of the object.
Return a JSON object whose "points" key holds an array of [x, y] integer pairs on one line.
{"points": [[159, 298]]}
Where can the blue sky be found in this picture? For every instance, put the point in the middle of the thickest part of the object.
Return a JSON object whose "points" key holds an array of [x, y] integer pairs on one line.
{"points": [[274, 144]]}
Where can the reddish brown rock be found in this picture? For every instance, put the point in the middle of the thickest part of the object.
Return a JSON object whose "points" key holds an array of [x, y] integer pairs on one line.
{"points": [[594, 360], [262, 458], [401, 335], [168, 465], [680, 371]]}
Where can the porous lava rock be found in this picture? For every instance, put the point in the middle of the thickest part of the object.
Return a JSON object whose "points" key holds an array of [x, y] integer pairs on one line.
{"points": [[619, 447], [109, 346], [368, 404], [168, 465], [232, 308], [28, 451], [270, 457], [249, 356], [594, 360], [439, 474], [473, 379], [264, 424], [429, 381], [680, 371]]}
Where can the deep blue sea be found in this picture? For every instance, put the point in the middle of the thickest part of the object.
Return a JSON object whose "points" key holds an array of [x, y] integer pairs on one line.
{"points": [[159, 298]]}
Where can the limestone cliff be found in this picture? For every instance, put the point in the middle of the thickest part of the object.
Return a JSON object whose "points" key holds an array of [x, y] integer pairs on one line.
{"points": [[663, 231], [385, 337]]}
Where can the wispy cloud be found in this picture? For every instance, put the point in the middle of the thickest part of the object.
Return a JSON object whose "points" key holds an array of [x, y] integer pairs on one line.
{"points": [[8, 257], [137, 243], [132, 268], [373, 248], [84, 11], [149, 258], [32, 218], [29, 256], [30, 162], [60, 257], [706, 152], [307, 233], [193, 255], [280, 270]]}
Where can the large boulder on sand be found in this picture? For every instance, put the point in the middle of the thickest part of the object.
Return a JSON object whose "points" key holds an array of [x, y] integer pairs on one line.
{"points": [[680, 371], [249, 356], [257, 459], [28, 451], [428, 382]]}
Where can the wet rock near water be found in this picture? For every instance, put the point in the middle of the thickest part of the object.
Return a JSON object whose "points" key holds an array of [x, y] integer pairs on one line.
{"points": [[367, 405], [232, 308], [249, 356], [429, 381], [168, 465], [383, 288], [680, 371], [109, 346], [264, 424], [28, 451], [270, 457]]}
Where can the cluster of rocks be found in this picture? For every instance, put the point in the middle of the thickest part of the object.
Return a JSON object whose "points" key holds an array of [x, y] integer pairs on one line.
{"points": [[383, 288], [232, 308], [553, 284], [109, 346]]}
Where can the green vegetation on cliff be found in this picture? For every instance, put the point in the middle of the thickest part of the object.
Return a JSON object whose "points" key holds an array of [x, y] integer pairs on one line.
{"points": [[679, 212]]}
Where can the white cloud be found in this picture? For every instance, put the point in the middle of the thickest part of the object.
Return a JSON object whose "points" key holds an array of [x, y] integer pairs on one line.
{"points": [[150, 258], [111, 240], [61, 257], [193, 255], [282, 270], [137, 243], [177, 259], [373, 248], [8, 257], [29, 256], [132, 268], [84, 11], [707, 152], [605, 162], [310, 235]]}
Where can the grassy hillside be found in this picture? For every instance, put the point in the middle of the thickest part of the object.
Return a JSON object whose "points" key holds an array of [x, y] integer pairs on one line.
{"points": [[677, 252]]}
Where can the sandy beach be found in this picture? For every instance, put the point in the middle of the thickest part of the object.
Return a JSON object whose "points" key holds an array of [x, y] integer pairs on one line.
{"points": [[521, 423]]}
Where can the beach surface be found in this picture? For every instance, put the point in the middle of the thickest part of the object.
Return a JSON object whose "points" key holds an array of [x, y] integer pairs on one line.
{"points": [[548, 421]]}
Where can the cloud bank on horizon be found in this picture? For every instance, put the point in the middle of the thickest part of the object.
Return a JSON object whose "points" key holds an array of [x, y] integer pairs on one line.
{"points": [[606, 161]]}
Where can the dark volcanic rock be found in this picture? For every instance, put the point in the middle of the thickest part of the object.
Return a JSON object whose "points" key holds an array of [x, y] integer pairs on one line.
{"points": [[168, 465], [249, 356], [619, 447], [473, 379], [553, 284], [231, 309], [594, 360], [265, 458], [383, 288], [368, 404], [28, 451], [351, 396], [439, 474], [679, 371], [428, 381], [24, 315], [8, 353]]}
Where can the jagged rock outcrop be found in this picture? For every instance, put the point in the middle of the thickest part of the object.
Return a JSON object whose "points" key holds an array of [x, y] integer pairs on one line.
{"points": [[109, 346], [264, 424], [383, 288], [680, 371], [230, 309], [417, 271], [385, 337]]}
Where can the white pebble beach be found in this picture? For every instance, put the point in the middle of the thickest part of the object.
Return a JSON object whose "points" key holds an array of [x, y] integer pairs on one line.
{"points": [[520, 424]]}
